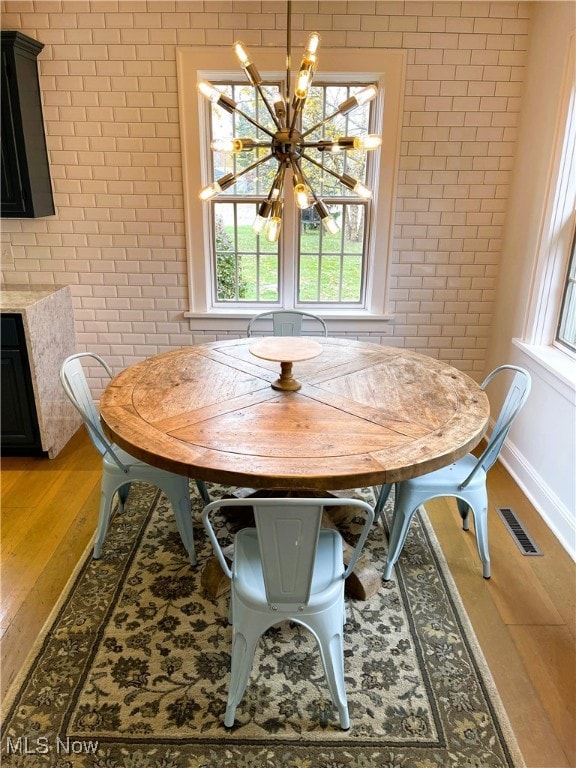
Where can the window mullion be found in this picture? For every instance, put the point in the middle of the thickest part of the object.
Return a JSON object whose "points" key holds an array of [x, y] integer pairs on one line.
{"points": [[289, 251]]}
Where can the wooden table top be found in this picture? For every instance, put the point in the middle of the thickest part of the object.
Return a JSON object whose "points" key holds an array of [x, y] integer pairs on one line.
{"points": [[365, 415], [285, 348]]}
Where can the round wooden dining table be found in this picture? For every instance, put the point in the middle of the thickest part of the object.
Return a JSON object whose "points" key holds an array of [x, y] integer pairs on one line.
{"points": [[364, 415]]}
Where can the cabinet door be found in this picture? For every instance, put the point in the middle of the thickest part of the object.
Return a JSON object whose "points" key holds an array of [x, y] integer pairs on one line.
{"points": [[19, 424], [13, 192], [26, 185], [20, 433]]}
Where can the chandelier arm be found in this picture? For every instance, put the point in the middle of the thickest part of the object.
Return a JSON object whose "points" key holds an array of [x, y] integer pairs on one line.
{"points": [[254, 122], [278, 180], [325, 145], [358, 187], [320, 124], [298, 165], [322, 167], [234, 177], [297, 109], [281, 175], [277, 183], [268, 107], [295, 165], [254, 165], [306, 181], [367, 94]]}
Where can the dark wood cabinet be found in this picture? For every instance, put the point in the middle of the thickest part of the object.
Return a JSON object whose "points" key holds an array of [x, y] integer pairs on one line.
{"points": [[19, 433], [26, 187]]}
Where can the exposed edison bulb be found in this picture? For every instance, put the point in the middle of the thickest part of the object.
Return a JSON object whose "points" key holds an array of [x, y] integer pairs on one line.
{"points": [[313, 43], [207, 193], [273, 229], [244, 59], [210, 191], [279, 106], [216, 96], [301, 196], [241, 53], [356, 186], [259, 224], [362, 191], [226, 145], [231, 145], [328, 221], [303, 83], [209, 91], [366, 94], [330, 225], [362, 97], [368, 141]]}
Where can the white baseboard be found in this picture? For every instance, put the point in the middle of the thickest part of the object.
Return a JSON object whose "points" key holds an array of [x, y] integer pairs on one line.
{"points": [[553, 511]]}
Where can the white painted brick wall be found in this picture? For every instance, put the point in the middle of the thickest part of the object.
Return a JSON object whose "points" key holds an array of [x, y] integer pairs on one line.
{"points": [[108, 81]]}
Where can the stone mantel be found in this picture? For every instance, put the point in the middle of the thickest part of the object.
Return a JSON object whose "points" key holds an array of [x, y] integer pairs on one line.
{"points": [[48, 320]]}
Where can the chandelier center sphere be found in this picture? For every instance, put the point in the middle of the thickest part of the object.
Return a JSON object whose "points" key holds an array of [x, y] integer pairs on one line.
{"points": [[287, 144]]}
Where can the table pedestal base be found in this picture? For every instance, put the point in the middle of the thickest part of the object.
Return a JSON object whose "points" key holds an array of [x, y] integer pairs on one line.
{"points": [[286, 382]]}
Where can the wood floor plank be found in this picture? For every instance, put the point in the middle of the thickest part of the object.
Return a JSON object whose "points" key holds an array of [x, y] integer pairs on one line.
{"points": [[548, 653], [558, 581], [529, 718], [34, 545], [26, 622], [13, 522], [530, 708]]}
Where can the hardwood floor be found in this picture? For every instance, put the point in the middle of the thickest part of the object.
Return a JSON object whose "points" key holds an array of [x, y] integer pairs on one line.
{"points": [[524, 616]]}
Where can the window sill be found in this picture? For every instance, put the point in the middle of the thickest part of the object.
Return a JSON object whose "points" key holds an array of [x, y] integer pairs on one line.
{"points": [[235, 320], [558, 368]]}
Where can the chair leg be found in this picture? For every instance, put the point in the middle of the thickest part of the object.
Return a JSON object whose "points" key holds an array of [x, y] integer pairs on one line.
{"points": [[464, 510], [381, 501], [479, 506], [331, 644], [243, 649], [123, 492], [179, 497], [204, 495], [403, 514], [108, 488]]}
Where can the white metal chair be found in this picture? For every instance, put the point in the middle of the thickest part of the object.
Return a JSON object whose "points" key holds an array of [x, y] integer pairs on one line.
{"points": [[119, 468], [288, 568], [465, 479], [286, 322]]}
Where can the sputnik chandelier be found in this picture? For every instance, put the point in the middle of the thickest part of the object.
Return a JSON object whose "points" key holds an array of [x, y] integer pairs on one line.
{"points": [[287, 141]]}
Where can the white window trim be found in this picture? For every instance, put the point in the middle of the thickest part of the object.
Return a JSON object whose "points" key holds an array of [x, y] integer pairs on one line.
{"points": [[554, 247], [386, 67]]}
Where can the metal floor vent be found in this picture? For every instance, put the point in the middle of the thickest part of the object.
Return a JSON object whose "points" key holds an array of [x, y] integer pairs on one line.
{"points": [[520, 535]]}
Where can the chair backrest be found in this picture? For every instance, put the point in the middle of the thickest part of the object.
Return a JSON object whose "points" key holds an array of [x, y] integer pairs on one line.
{"points": [[288, 531], [517, 395], [287, 322], [75, 384]]}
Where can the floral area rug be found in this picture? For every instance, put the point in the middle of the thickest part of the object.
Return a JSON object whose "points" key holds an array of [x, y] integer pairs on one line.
{"points": [[132, 669]]}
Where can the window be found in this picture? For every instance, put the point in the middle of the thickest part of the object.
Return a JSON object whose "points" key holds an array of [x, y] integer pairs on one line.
{"points": [[551, 319], [326, 268], [567, 325], [232, 271]]}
